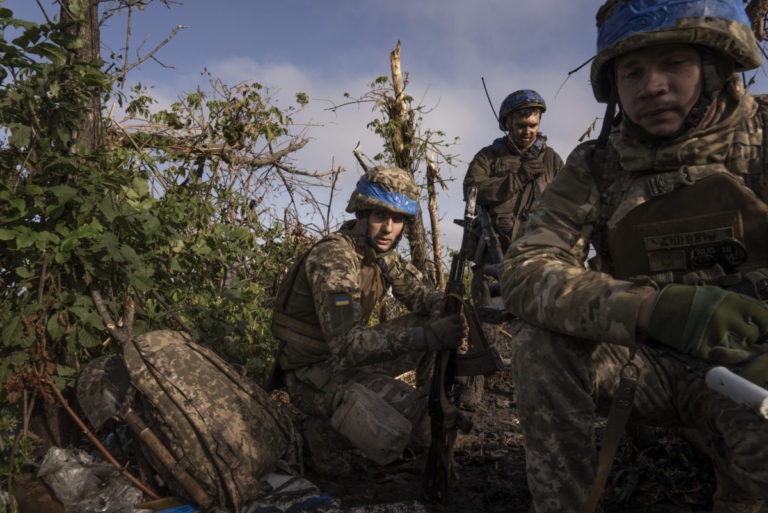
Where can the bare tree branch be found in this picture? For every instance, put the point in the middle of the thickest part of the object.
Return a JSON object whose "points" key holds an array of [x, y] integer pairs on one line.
{"points": [[360, 157], [127, 68]]}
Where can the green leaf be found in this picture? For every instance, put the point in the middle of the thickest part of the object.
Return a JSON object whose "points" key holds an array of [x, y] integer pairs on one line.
{"points": [[64, 371], [76, 7], [63, 193], [23, 272], [140, 186], [107, 208], [56, 54], [19, 204], [6, 234], [21, 135], [175, 266], [55, 330], [11, 330], [86, 339], [25, 239]]}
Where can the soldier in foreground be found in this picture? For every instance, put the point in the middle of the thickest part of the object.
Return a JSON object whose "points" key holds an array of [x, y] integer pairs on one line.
{"points": [[338, 369], [673, 197], [510, 174]]}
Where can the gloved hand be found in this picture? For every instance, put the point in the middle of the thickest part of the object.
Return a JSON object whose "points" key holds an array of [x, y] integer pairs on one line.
{"points": [[445, 332], [756, 370], [709, 323]]}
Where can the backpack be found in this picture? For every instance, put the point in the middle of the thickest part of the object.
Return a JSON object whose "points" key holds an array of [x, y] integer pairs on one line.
{"points": [[221, 428]]}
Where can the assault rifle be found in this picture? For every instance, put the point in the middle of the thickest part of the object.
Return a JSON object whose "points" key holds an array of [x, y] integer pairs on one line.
{"points": [[489, 240], [444, 416]]}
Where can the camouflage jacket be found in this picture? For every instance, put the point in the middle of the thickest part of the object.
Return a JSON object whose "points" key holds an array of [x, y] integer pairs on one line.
{"points": [[509, 182], [335, 289], [544, 279]]}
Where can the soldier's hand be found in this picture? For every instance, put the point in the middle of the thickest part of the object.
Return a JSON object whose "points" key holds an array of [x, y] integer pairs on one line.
{"points": [[709, 323], [756, 370], [445, 332]]}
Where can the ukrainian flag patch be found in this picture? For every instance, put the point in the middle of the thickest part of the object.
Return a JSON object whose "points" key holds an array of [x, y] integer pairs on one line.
{"points": [[341, 300]]}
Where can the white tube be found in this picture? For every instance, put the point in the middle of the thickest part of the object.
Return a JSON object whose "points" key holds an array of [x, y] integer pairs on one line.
{"points": [[738, 389]]}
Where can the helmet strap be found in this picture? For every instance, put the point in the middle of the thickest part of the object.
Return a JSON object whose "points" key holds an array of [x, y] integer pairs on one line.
{"points": [[608, 120]]}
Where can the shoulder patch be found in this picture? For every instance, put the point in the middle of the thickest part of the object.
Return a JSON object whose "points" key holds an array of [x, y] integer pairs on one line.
{"points": [[342, 313]]}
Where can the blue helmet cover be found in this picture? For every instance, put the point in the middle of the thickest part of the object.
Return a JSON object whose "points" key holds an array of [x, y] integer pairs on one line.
{"points": [[524, 96], [638, 16], [396, 200]]}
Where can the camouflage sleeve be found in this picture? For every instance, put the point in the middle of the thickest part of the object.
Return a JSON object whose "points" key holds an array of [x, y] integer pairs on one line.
{"points": [[491, 190], [333, 270], [543, 277], [411, 288]]}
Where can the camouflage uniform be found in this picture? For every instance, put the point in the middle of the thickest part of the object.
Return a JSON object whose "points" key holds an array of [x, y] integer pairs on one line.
{"points": [[333, 349], [508, 183], [328, 293], [578, 323]]}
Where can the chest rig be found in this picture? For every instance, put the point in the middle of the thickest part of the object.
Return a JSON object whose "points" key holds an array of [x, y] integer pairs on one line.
{"points": [[705, 223], [529, 173]]}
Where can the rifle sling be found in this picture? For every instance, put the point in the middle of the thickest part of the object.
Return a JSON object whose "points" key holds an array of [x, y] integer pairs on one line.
{"points": [[621, 407]]}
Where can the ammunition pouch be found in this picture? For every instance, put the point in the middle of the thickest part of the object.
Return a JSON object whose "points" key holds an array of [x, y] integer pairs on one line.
{"points": [[371, 424]]}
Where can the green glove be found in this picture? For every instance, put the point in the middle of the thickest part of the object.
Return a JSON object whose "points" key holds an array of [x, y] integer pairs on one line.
{"points": [[708, 322], [756, 370]]}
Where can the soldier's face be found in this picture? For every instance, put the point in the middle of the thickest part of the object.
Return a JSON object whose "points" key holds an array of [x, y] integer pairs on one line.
{"points": [[384, 228], [659, 85], [524, 128]]}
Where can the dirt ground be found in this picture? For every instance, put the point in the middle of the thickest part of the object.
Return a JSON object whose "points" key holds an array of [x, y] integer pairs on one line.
{"points": [[655, 470]]}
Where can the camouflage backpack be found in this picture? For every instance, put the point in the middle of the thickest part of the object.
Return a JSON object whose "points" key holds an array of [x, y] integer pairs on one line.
{"points": [[221, 428]]}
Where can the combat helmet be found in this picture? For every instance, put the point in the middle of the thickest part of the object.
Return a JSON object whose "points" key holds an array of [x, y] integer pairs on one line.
{"points": [[519, 100], [626, 25], [385, 188]]}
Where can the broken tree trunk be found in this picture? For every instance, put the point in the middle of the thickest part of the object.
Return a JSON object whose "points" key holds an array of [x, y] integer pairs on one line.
{"points": [[402, 150]]}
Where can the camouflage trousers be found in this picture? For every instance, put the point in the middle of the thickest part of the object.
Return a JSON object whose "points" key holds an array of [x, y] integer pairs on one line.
{"points": [[563, 383], [317, 389]]}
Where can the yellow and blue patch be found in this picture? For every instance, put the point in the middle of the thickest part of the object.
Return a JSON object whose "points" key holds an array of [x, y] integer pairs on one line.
{"points": [[341, 301]]}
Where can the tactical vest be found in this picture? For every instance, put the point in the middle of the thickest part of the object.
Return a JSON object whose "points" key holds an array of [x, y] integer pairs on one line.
{"points": [[530, 173], [697, 224], [294, 320]]}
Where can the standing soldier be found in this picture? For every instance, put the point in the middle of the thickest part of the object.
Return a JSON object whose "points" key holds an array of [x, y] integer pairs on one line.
{"points": [[510, 174], [673, 196], [337, 368]]}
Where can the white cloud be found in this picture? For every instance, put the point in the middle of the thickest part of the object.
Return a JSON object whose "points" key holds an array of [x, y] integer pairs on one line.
{"points": [[459, 108]]}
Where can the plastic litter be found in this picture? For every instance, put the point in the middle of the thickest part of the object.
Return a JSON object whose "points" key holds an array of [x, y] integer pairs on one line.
{"points": [[6, 501], [181, 509], [85, 485], [291, 494]]}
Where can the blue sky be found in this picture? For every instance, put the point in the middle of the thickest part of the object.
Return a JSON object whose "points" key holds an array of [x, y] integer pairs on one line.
{"points": [[327, 47]]}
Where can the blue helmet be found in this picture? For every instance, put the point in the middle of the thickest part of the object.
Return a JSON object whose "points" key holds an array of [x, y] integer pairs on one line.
{"points": [[627, 25], [386, 188], [519, 100]]}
